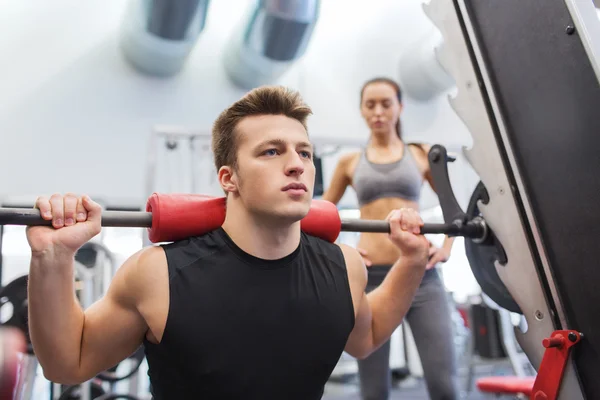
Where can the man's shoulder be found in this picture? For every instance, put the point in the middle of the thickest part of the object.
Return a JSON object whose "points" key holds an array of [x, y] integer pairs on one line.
{"points": [[351, 255], [349, 252], [341, 253], [323, 248], [357, 272], [188, 251], [207, 241]]}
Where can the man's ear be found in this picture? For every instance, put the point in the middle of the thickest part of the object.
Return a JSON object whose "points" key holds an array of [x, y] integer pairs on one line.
{"points": [[228, 179]]}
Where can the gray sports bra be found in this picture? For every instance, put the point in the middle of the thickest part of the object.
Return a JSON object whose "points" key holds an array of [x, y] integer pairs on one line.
{"points": [[401, 178]]}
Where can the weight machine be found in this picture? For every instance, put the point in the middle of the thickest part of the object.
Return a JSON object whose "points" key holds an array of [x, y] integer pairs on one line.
{"points": [[527, 74]]}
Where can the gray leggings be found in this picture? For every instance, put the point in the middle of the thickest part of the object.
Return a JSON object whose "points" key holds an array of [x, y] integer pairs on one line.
{"points": [[431, 325]]}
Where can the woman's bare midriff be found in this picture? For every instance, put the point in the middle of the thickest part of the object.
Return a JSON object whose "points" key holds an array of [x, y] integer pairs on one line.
{"points": [[380, 250]]}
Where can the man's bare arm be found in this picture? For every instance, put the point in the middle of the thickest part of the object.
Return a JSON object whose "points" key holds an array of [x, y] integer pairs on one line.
{"points": [[379, 313], [72, 345]]}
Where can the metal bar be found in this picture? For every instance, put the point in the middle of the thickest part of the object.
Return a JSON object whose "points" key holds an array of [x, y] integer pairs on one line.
{"points": [[472, 229], [136, 219], [120, 219]]}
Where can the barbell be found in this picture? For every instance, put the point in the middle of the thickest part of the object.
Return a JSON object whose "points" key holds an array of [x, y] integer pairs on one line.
{"points": [[172, 217]]}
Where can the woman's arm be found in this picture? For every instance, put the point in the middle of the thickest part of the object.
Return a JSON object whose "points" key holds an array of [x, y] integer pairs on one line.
{"points": [[340, 179]]}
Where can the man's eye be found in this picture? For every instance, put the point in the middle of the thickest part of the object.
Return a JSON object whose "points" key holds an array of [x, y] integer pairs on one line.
{"points": [[270, 152], [306, 154]]}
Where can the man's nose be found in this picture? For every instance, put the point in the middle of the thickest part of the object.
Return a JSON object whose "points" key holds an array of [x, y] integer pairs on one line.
{"points": [[295, 165]]}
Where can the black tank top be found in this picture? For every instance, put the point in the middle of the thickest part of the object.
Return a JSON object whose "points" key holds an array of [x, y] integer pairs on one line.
{"points": [[240, 327]]}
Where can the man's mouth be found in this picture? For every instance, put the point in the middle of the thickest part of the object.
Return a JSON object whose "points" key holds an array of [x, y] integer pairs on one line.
{"points": [[295, 187]]}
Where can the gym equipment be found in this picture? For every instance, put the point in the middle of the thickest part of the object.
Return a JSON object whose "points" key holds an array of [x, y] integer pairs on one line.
{"points": [[75, 392], [111, 374], [177, 216], [13, 306], [9, 364], [171, 217], [482, 256], [527, 74], [13, 302], [506, 385], [97, 393], [100, 265]]}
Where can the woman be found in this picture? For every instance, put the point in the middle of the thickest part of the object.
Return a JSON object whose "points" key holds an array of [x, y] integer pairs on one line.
{"points": [[386, 175]]}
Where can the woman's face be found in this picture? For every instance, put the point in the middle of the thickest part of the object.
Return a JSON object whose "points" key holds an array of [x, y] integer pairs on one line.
{"points": [[380, 107]]}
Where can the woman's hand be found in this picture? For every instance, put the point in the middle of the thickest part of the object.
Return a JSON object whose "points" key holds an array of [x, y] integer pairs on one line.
{"points": [[365, 258], [437, 255]]}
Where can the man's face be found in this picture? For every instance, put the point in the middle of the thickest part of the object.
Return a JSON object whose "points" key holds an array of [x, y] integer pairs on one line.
{"points": [[275, 175]]}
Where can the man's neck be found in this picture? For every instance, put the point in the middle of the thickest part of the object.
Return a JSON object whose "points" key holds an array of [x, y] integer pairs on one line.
{"points": [[258, 237]]}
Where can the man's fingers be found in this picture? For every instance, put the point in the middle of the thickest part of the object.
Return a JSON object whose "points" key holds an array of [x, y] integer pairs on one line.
{"points": [[42, 203], [94, 210], [406, 219], [413, 221], [395, 219], [81, 211], [70, 208], [58, 212]]}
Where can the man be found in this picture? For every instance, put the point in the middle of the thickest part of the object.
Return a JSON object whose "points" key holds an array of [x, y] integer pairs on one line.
{"points": [[255, 309]]}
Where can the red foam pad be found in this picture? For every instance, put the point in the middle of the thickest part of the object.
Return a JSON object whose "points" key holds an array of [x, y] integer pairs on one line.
{"points": [[179, 216], [506, 384], [323, 221]]}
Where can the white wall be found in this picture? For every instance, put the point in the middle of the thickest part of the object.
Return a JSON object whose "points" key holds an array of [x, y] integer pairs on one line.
{"points": [[74, 116]]}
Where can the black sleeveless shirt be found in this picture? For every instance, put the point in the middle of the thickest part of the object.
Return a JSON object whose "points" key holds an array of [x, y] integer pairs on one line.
{"points": [[240, 327]]}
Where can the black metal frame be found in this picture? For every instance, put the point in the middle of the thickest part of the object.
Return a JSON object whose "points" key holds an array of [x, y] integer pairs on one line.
{"points": [[549, 97]]}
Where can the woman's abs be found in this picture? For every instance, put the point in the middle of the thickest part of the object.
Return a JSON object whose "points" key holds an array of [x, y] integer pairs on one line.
{"points": [[380, 249]]}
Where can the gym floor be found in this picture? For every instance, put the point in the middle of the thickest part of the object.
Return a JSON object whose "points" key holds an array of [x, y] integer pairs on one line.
{"points": [[414, 388]]}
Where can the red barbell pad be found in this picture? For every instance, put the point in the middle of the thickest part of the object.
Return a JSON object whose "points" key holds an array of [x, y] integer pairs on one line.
{"points": [[323, 221], [179, 216]]}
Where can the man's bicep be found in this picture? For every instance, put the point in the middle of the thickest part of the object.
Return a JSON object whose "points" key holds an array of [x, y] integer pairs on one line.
{"points": [[359, 343], [360, 338]]}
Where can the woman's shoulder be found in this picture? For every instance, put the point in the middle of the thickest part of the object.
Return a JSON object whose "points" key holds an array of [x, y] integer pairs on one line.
{"points": [[348, 162], [420, 146], [350, 157], [420, 153]]}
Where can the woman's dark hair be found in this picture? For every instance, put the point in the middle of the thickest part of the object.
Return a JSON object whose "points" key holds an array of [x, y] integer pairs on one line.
{"points": [[396, 87]]}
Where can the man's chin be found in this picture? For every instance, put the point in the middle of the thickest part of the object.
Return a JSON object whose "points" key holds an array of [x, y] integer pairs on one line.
{"points": [[290, 212]]}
